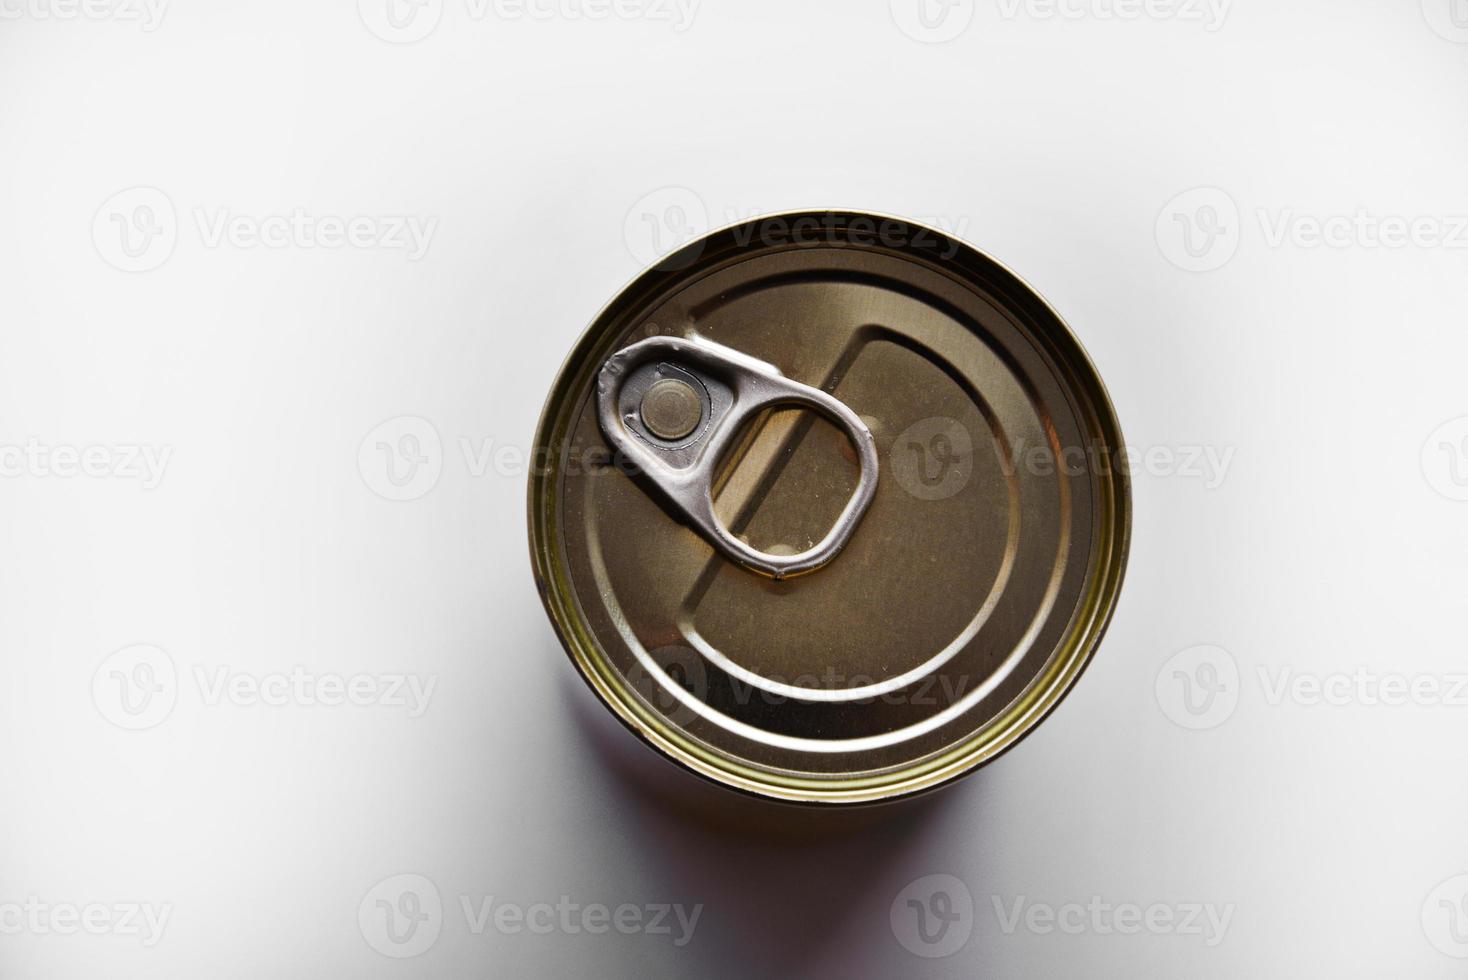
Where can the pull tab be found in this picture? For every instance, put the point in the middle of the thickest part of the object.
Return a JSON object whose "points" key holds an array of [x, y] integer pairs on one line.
{"points": [[673, 406]]}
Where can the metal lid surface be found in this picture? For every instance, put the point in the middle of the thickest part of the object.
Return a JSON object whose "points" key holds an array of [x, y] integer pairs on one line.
{"points": [[973, 583]]}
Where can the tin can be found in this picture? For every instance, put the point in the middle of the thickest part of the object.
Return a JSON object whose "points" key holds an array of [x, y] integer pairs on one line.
{"points": [[831, 507]]}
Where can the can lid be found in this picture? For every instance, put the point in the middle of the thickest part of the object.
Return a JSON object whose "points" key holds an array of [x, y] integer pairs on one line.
{"points": [[820, 377]]}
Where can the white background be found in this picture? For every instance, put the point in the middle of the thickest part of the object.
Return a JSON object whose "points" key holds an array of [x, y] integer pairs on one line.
{"points": [[541, 151]]}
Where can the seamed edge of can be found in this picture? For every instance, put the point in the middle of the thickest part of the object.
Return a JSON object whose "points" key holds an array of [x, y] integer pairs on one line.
{"points": [[1095, 609]]}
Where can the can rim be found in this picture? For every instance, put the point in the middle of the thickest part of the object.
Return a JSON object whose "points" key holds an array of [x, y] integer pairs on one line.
{"points": [[1094, 608]]}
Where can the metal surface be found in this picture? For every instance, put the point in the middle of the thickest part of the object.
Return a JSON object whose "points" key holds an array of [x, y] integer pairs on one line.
{"points": [[671, 409], [680, 461], [966, 601]]}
